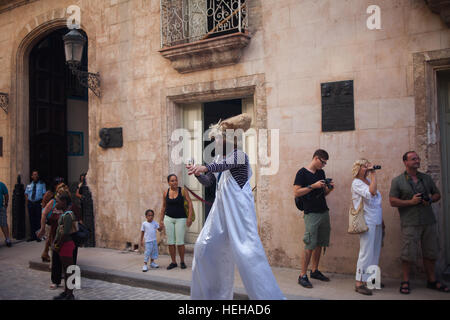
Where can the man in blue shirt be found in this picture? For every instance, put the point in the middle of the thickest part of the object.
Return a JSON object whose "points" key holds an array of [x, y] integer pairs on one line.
{"points": [[3, 216], [33, 197]]}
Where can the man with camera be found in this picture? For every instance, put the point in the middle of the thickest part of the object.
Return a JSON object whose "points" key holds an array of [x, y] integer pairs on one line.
{"points": [[310, 189], [412, 193]]}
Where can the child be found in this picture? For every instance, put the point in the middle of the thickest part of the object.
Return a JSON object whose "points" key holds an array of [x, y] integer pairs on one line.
{"points": [[148, 229]]}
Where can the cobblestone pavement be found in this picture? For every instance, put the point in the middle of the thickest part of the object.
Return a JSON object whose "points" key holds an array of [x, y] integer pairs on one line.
{"points": [[17, 282]]}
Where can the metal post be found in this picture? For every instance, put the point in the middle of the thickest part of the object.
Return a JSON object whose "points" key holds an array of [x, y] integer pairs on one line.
{"points": [[18, 210], [87, 210], [240, 16]]}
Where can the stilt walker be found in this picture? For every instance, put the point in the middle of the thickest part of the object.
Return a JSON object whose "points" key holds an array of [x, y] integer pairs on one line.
{"points": [[230, 235]]}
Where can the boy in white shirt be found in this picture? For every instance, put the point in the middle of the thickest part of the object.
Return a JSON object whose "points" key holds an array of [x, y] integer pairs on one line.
{"points": [[148, 230]]}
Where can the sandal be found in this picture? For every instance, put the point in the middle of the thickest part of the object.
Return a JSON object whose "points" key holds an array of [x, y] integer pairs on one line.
{"points": [[405, 290], [54, 286], [434, 286]]}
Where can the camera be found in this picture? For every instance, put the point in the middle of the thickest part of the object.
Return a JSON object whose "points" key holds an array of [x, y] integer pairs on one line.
{"points": [[328, 183], [375, 168], [424, 197]]}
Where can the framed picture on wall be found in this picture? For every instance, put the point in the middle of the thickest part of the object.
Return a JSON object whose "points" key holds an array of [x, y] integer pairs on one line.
{"points": [[75, 143]]}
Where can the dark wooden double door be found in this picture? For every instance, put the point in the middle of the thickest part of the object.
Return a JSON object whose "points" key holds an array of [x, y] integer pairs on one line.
{"points": [[48, 107]]}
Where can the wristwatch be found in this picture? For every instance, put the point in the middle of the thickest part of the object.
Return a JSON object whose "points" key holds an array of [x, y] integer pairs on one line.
{"points": [[309, 186]]}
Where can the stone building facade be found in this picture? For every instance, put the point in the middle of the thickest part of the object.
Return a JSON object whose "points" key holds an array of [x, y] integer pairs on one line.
{"points": [[275, 67]]}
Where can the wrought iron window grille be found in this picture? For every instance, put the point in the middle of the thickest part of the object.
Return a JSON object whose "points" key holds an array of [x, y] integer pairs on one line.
{"points": [[187, 21], [4, 101]]}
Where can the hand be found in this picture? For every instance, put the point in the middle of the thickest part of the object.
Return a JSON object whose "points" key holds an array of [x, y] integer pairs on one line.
{"points": [[416, 199], [188, 222], [161, 223], [318, 184], [197, 170], [41, 233], [142, 243], [56, 247]]}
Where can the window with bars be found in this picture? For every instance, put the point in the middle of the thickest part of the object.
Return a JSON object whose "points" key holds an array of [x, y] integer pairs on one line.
{"points": [[186, 21]]}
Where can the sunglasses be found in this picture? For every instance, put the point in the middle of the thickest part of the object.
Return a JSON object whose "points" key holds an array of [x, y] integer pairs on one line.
{"points": [[323, 162]]}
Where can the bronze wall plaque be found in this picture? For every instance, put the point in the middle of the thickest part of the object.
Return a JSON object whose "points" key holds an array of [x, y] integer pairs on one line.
{"points": [[111, 138], [338, 112]]}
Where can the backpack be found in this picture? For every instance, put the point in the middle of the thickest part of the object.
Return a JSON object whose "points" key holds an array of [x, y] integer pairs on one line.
{"points": [[79, 232], [80, 237], [299, 203]]}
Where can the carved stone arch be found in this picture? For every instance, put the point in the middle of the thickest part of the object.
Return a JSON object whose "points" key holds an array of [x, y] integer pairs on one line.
{"points": [[32, 32]]}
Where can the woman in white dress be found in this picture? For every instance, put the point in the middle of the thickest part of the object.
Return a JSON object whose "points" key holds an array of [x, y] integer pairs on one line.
{"points": [[364, 188]]}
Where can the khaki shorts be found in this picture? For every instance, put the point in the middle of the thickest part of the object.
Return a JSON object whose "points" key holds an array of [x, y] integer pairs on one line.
{"points": [[317, 230], [415, 236]]}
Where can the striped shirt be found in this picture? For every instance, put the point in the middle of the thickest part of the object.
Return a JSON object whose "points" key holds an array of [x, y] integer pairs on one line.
{"points": [[237, 163]]}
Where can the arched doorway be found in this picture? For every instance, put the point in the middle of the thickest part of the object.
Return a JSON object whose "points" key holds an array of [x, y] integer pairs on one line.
{"points": [[58, 113]]}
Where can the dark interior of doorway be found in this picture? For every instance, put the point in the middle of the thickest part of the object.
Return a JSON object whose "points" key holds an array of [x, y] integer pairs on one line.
{"points": [[212, 113], [51, 84]]}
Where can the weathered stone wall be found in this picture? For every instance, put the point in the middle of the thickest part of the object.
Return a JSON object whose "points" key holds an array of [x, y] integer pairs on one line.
{"points": [[295, 45]]}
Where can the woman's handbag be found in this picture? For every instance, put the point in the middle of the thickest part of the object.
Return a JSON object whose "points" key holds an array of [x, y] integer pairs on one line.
{"points": [[356, 221], [186, 207]]}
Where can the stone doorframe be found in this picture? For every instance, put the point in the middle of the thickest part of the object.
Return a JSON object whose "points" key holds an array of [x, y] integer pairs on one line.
{"points": [[428, 136], [171, 109], [35, 30]]}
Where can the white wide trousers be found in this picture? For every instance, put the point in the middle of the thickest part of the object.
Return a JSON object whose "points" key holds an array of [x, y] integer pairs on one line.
{"points": [[228, 238], [369, 250]]}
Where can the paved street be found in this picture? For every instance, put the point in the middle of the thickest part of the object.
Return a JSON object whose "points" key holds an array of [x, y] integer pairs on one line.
{"points": [[18, 282]]}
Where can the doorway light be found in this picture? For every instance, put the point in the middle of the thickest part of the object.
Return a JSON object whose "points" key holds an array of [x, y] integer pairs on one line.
{"points": [[74, 43]]}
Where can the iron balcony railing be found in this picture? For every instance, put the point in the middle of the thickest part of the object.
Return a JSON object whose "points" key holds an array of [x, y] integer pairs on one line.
{"points": [[185, 21]]}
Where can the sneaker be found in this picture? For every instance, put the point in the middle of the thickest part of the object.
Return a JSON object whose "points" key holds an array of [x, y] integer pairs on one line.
{"points": [[145, 268], [304, 282], [8, 243], [319, 276], [172, 265], [61, 296], [154, 265], [183, 265]]}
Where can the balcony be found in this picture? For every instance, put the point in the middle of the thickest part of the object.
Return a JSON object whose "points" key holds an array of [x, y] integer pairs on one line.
{"points": [[203, 34], [441, 7]]}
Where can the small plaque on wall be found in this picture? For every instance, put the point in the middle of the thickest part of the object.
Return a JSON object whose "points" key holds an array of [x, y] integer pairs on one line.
{"points": [[338, 112]]}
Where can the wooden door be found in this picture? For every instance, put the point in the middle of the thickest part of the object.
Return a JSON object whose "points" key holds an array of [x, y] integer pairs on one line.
{"points": [[444, 115], [192, 121], [48, 151]]}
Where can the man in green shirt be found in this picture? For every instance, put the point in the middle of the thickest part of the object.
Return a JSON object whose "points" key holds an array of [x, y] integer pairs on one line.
{"points": [[412, 193]]}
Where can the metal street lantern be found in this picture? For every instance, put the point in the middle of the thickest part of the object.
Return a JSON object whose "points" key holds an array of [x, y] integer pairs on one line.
{"points": [[73, 46], [74, 43]]}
